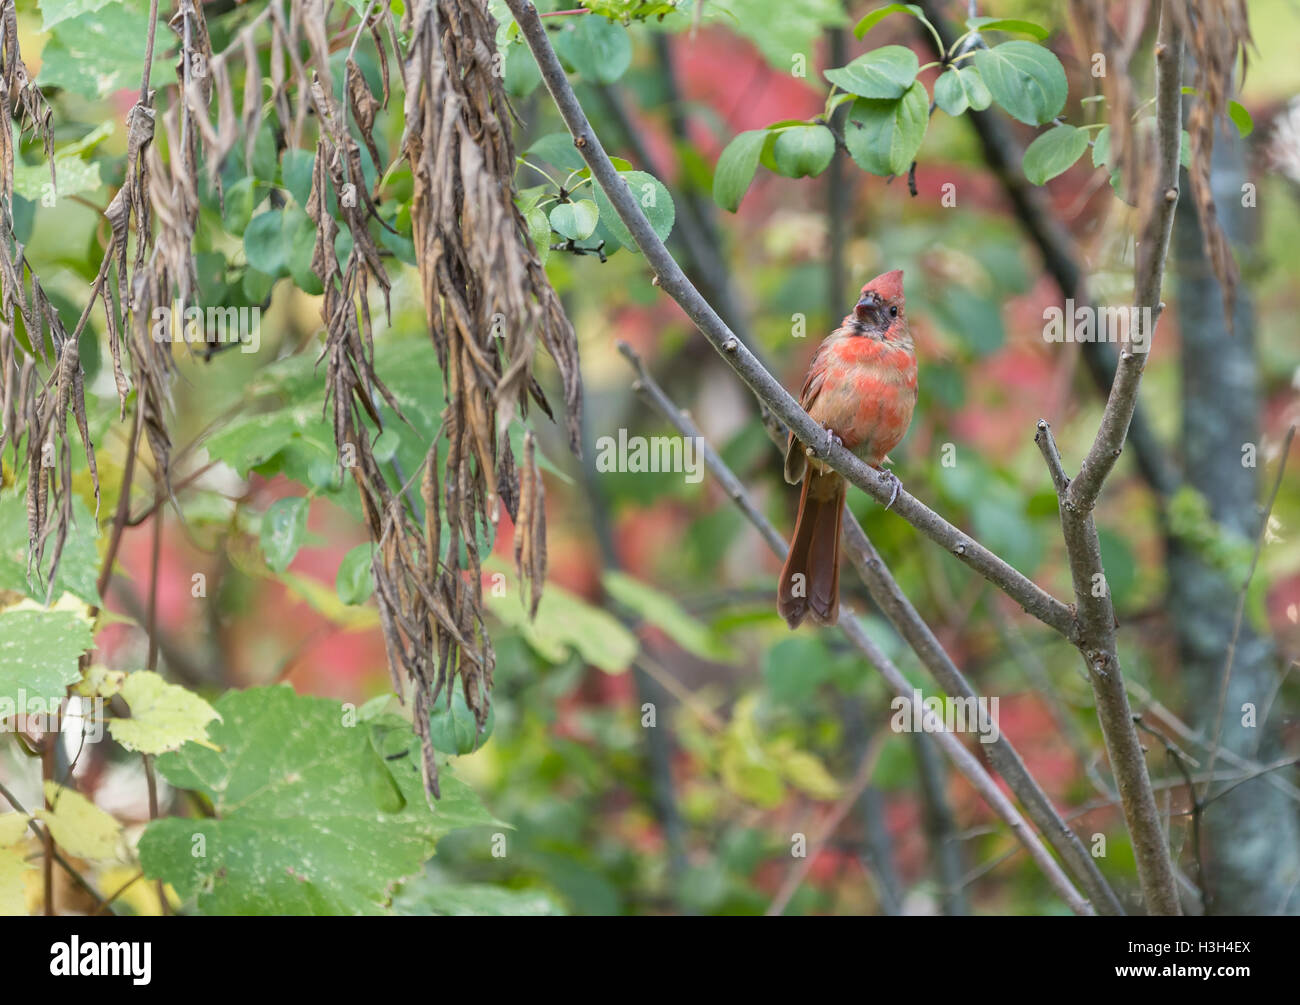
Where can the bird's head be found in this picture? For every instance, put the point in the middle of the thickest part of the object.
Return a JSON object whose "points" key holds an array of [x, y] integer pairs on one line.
{"points": [[879, 312]]}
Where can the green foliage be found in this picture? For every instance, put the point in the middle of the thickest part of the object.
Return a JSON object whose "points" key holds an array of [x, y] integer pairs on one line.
{"points": [[1054, 152], [354, 582], [86, 53], [78, 568], [959, 88], [781, 31], [880, 13], [565, 623], [598, 49], [800, 151], [886, 72], [297, 828], [653, 199], [1191, 522], [665, 613], [73, 174], [575, 220], [1026, 79], [736, 168], [283, 529], [453, 728], [883, 137], [40, 651], [1007, 24]]}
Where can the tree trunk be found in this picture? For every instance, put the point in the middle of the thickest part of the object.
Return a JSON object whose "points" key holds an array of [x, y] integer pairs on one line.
{"points": [[1251, 834]]}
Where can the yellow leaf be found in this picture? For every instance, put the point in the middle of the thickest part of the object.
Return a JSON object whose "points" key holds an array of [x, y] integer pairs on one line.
{"points": [[163, 716], [13, 900], [79, 826], [806, 772], [100, 682], [13, 827]]}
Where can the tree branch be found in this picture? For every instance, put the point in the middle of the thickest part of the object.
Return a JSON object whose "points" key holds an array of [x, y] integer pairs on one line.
{"points": [[669, 276], [964, 760], [1098, 643]]}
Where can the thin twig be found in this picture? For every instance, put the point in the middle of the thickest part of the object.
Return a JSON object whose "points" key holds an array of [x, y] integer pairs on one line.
{"points": [[799, 870]]}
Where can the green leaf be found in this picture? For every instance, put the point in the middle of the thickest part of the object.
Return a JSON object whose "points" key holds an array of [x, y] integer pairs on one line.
{"points": [[959, 88], [299, 825], [354, 582], [736, 168], [1007, 24], [883, 137], [163, 716], [803, 150], [1025, 79], [299, 238], [565, 623], [556, 149], [455, 730], [73, 176], [886, 72], [539, 229], [1241, 118], [782, 31], [40, 651], [666, 614], [1054, 152], [521, 71], [655, 203], [239, 199], [101, 50], [880, 13], [600, 50], [1101, 147], [296, 168], [264, 245], [385, 445], [575, 220], [54, 11], [78, 566], [283, 528]]}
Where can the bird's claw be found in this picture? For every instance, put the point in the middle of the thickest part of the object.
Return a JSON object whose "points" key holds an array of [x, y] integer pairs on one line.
{"points": [[892, 479], [832, 438]]}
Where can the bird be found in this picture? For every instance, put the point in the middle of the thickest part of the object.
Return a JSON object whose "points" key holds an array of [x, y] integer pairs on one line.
{"points": [[861, 388]]}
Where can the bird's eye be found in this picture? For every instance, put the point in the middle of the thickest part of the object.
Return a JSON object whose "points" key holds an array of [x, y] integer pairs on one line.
{"points": [[893, 312]]}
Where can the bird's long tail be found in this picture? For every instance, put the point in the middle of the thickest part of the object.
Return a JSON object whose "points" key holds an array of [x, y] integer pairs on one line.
{"points": [[810, 580]]}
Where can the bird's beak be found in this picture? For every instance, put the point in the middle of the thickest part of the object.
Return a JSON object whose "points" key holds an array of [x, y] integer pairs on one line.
{"points": [[868, 307]]}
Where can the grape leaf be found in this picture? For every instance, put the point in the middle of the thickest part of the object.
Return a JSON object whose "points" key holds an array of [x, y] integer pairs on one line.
{"points": [[163, 716], [301, 823], [39, 652]]}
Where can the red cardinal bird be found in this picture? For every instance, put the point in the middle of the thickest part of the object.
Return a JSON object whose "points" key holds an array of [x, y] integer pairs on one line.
{"points": [[861, 387]]}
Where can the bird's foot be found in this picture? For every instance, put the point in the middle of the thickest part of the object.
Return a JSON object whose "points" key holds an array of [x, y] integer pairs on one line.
{"points": [[832, 438], [892, 480]]}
